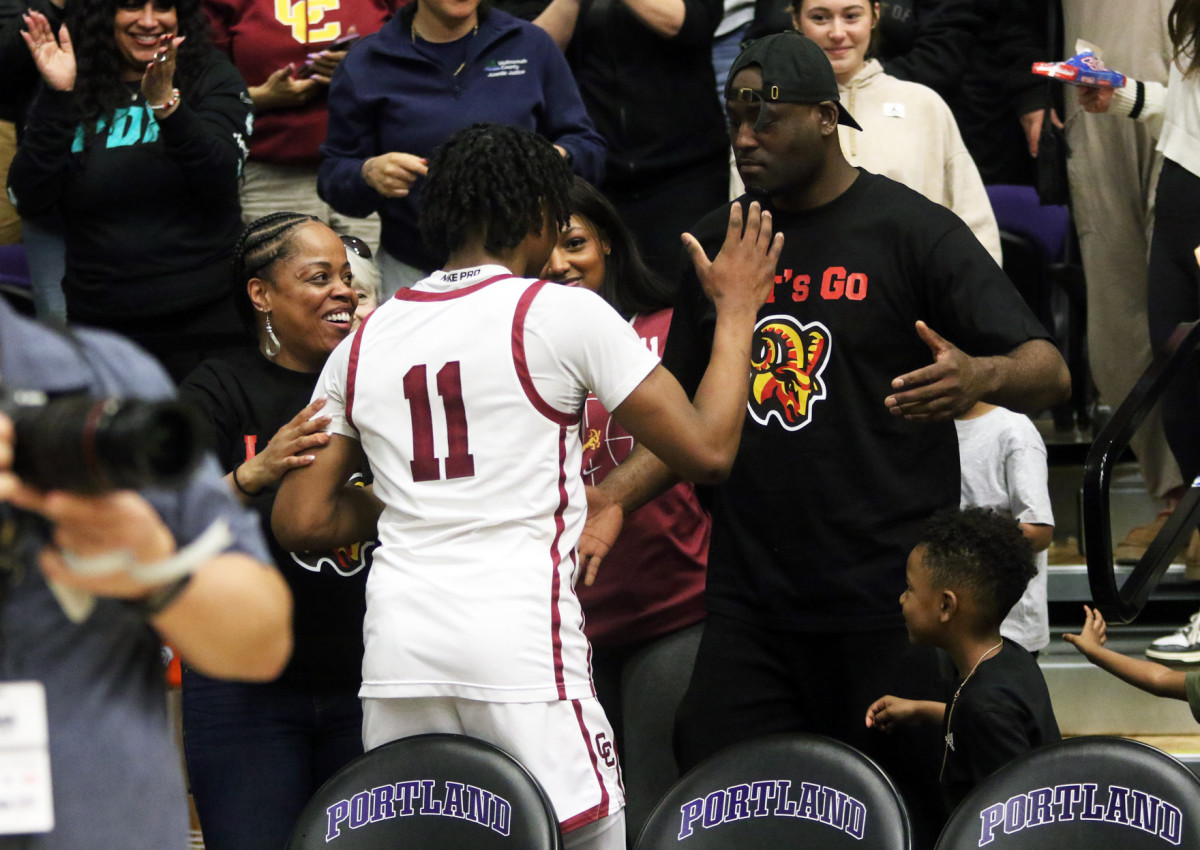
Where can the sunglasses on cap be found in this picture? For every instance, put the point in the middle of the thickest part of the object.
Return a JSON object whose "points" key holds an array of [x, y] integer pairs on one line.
{"points": [[356, 245]]}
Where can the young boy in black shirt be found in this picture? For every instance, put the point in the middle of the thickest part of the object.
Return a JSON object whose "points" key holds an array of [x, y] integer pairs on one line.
{"points": [[969, 569]]}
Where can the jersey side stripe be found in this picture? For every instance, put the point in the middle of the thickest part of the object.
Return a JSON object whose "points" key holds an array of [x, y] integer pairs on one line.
{"points": [[600, 809], [583, 626], [522, 365], [352, 370], [555, 560]]}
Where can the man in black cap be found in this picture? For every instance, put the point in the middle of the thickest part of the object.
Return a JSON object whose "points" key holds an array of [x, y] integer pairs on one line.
{"points": [[887, 320]]}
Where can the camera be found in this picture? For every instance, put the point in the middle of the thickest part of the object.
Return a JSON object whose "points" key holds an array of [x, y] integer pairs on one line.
{"points": [[89, 445]]}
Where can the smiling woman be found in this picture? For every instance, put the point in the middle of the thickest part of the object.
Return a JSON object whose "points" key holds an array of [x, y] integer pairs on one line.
{"points": [[842, 28], [137, 140], [256, 753], [305, 299], [908, 133], [140, 30]]}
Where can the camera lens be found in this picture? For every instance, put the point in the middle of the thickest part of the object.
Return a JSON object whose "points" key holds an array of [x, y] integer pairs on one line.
{"points": [[87, 445]]}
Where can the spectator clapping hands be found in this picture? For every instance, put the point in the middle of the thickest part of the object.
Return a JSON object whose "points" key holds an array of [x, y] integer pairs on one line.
{"points": [[54, 57]]}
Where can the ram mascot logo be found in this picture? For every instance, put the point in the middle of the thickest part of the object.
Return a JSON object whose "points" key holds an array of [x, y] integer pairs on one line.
{"points": [[344, 561], [786, 361]]}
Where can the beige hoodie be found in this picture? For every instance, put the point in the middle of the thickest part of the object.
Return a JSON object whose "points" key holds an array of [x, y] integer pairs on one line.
{"points": [[910, 136]]}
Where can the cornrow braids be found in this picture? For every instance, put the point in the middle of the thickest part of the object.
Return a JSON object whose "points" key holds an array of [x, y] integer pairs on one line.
{"points": [[496, 181], [263, 242]]}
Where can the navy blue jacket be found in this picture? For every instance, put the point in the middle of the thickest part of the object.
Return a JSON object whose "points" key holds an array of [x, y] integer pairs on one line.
{"points": [[392, 94]]}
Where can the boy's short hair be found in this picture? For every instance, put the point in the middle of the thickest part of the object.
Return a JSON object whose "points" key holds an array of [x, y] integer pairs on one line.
{"points": [[981, 552]]}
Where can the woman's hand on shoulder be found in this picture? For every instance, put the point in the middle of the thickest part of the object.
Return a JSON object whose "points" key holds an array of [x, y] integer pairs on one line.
{"points": [[286, 450], [54, 57]]}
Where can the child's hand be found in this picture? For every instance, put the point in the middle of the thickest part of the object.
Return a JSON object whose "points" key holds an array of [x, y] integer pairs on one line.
{"points": [[1093, 634], [888, 712]]}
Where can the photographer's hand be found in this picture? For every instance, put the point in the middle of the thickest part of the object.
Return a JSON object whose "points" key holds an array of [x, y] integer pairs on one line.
{"points": [[88, 526], [233, 618], [12, 489]]}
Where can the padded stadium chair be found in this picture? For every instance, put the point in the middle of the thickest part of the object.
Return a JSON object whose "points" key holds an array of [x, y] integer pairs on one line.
{"points": [[430, 791], [1037, 243], [781, 791], [1081, 794]]}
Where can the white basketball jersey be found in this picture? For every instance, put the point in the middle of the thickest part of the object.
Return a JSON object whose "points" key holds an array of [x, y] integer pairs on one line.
{"points": [[465, 392]]}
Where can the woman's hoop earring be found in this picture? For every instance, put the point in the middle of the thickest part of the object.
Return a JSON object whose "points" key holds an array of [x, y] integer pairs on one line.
{"points": [[271, 347]]}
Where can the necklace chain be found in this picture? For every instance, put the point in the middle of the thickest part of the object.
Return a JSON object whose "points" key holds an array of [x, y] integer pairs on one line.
{"points": [[950, 714], [415, 35]]}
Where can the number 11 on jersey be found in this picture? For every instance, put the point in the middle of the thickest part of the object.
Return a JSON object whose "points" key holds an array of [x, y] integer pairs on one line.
{"points": [[425, 465]]}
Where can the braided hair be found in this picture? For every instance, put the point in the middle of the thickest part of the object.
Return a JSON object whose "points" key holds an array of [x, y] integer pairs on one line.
{"points": [[494, 181], [99, 91], [263, 243]]}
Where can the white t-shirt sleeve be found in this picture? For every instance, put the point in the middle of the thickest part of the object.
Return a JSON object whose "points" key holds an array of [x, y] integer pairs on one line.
{"points": [[1027, 476], [332, 387], [576, 343]]}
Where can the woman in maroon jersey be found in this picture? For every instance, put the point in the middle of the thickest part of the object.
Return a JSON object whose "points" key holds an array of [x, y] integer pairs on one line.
{"points": [[645, 610]]}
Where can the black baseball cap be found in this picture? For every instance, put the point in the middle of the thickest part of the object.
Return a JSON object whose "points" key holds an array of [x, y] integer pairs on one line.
{"points": [[794, 70]]}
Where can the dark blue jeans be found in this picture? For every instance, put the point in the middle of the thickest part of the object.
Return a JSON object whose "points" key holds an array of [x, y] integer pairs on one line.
{"points": [[256, 753]]}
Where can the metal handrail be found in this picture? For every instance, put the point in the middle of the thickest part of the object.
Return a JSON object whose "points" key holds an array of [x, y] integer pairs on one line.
{"points": [[1123, 603]]}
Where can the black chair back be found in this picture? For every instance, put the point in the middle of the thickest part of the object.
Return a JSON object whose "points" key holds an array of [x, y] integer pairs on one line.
{"points": [[430, 791], [1091, 793], [781, 791]]}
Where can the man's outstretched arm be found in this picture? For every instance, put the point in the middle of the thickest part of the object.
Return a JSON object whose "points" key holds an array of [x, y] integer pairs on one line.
{"points": [[1031, 377]]}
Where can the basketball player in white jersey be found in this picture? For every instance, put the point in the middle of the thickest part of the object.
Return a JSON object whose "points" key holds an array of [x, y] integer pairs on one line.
{"points": [[465, 393]]}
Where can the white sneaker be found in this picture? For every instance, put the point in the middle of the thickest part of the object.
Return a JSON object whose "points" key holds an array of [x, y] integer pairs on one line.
{"points": [[1182, 647]]}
